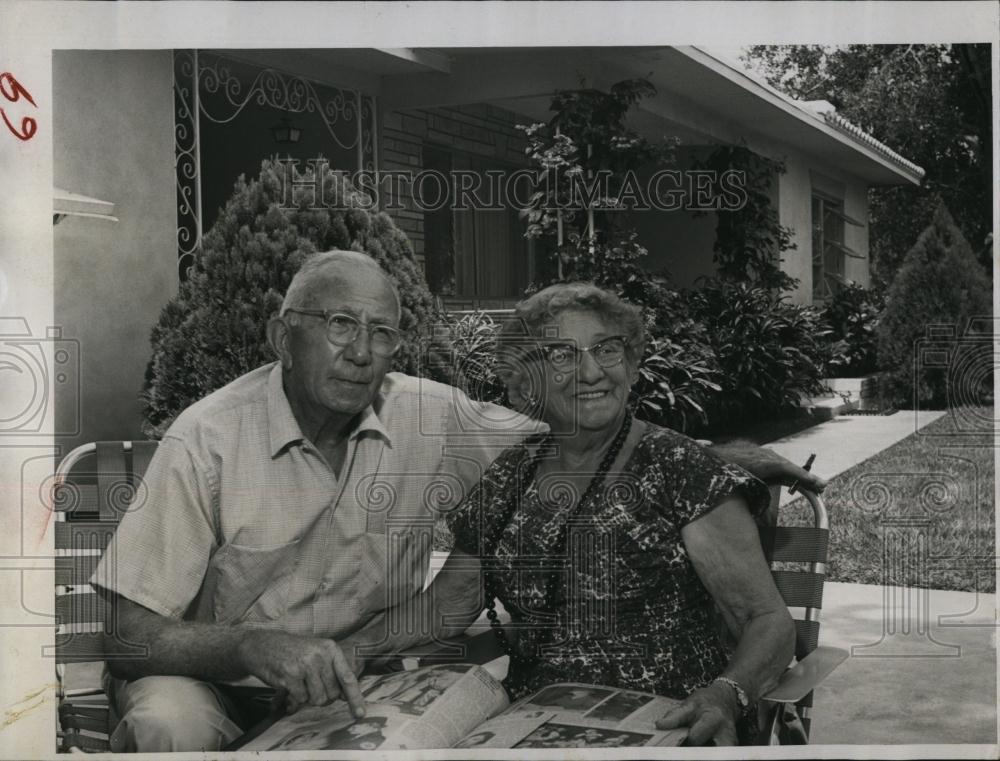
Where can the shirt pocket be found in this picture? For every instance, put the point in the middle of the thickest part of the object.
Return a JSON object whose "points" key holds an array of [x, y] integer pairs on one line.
{"points": [[394, 565], [252, 583]]}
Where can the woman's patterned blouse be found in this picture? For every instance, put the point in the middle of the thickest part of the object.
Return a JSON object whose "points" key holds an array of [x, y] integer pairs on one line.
{"points": [[630, 610]]}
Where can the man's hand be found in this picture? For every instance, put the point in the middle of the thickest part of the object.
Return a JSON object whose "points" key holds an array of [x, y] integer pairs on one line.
{"points": [[769, 466], [709, 713], [309, 670], [354, 645]]}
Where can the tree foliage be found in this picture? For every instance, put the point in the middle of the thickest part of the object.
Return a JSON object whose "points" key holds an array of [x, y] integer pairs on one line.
{"points": [[588, 137], [750, 241], [930, 103], [853, 314], [214, 330]]}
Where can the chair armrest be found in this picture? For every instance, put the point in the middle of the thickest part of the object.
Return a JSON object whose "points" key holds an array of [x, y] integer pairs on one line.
{"points": [[804, 676]]}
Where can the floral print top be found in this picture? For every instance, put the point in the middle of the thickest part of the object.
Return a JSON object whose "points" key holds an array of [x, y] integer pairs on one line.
{"points": [[628, 609]]}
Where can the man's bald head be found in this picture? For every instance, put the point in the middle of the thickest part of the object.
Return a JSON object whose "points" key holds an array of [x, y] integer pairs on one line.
{"points": [[328, 270]]}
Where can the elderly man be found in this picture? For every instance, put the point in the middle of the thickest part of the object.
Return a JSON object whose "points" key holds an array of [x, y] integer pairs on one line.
{"points": [[288, 511]]}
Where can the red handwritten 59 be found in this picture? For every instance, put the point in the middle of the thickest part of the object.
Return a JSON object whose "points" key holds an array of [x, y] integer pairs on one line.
{"points": [[12, 90]]}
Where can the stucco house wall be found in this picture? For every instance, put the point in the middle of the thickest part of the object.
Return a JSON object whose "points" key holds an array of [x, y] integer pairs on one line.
{"points": [[113, 121], [802, 177]]}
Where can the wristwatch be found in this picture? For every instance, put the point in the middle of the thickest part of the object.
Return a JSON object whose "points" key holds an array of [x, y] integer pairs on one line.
{"points": [[741, 694]]}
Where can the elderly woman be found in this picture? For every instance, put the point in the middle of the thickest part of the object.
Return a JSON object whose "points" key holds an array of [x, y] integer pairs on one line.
{"points": [[610, 541]]}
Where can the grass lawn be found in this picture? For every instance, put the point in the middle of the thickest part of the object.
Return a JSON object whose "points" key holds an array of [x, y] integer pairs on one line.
{"points": [[940, 480]]}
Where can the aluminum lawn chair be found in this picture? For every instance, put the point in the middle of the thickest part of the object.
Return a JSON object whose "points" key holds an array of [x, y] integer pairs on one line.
{"points": [[89, 504]]}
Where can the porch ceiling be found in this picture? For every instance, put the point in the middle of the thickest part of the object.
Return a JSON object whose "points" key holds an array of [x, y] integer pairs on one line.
{"points": [[701, 98]]}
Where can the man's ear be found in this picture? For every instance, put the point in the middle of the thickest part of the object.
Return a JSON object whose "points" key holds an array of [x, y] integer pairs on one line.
{"points": [[279, 337]]}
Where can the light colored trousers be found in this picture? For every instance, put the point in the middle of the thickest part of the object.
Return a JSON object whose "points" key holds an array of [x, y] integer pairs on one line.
{"points": [[170, 713]]}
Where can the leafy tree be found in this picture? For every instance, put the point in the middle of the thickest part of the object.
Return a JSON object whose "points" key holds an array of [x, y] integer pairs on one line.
{"points": [[938, 284], [931, 103], [574, 211], [214, 330]]}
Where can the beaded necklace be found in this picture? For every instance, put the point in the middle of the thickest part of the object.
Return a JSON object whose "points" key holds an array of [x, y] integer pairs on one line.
{"points": [[520, 663]]}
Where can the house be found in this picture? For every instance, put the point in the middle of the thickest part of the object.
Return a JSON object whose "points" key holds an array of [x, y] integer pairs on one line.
{"points": [[163, 134]]}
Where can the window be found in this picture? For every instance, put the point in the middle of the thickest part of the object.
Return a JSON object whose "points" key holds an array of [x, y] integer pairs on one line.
{"points": [[828, 247], [474, 254]]}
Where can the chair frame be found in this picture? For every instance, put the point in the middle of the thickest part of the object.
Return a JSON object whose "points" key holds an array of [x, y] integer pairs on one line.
{"points": [[85, 715], [813, 662]]}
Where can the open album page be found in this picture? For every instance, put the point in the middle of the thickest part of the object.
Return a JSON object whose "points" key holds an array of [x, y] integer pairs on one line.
{"points": [[432, 707], [578, 716]]}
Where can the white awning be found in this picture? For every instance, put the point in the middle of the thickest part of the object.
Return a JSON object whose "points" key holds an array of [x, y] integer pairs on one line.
{"points": [[66, 204]]}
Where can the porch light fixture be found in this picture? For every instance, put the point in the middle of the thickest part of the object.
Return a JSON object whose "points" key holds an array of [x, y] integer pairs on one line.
{"points": [[286, 133]]}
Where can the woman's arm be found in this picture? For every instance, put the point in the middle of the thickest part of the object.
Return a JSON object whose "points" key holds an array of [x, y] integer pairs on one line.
{"points": [[445, 609], [726, 553]]}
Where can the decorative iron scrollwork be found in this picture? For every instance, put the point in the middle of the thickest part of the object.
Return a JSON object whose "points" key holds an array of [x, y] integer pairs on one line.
{"points": [[211, 87]]}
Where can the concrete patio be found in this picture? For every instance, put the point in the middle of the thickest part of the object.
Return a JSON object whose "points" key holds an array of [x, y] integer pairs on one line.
{"points": [[922, 665]]}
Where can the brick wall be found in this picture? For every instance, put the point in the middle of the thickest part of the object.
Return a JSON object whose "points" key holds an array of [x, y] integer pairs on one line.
{"points": [[478, 129]]}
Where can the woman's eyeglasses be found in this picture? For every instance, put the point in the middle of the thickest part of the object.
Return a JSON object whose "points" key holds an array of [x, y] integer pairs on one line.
{"points": [[607, 352], [343, 330]]}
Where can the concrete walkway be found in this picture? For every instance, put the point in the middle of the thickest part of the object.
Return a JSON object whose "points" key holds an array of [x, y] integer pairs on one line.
{"points": [[843, 442], [922, 665]]}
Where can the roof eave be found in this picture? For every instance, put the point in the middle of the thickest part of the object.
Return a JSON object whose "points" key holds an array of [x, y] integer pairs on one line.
{"points": [[830, 124]]}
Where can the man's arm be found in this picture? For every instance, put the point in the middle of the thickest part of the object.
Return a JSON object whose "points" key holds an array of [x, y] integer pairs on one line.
{"points": [[155, 566], [311, 670], [445, 609], [760, 462], [767, 465]]}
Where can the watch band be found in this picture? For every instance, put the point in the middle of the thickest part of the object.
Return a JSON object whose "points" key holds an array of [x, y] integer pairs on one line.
{"points": [[741, 694]]}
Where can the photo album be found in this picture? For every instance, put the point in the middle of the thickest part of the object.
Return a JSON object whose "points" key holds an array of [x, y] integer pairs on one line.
{"points": [[463, 706]]}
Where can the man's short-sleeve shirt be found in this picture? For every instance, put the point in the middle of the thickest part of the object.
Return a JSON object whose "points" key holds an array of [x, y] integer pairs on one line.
{"points": [[241, 520]]}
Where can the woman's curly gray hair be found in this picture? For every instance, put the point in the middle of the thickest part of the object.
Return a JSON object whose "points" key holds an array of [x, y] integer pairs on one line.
{"points": [[518, 336]]}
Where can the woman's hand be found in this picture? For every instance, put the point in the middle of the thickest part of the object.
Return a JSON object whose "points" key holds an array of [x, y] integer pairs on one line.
{"points": [[710, 713]]}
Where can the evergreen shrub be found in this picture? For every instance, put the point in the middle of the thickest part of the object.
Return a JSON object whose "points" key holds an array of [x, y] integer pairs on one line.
{"points": [[939, 286]]}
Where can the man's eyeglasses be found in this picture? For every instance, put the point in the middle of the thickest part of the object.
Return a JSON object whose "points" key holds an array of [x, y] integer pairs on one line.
{"points": [[343, 330], [607, 352]]}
